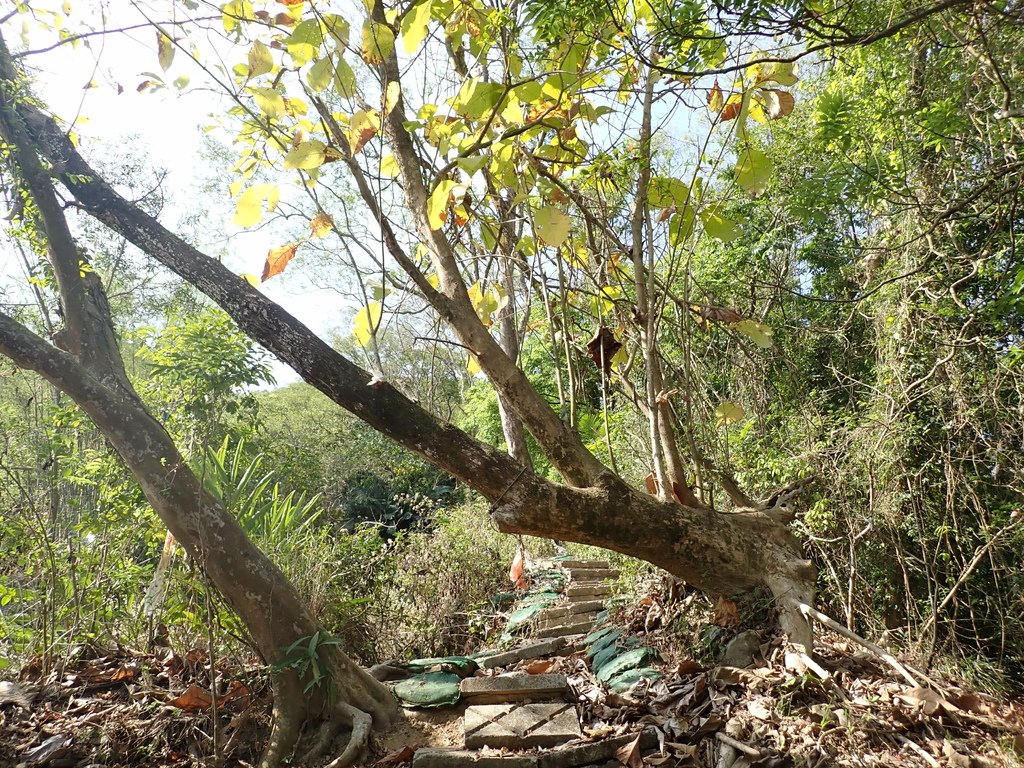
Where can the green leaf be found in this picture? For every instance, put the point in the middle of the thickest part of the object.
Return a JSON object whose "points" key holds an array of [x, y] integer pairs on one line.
{"points": [[270, 102], [378, 42], [344, 78], [477, 98], [754, 171], [718, 226], [303, 44], [320, 74], [437, 205], [728, 413], [629, 660], [235, 10], [306, 156], [665, 192], [680, 226], [758, 333], [260, 60], [366, 322], [414, 26], [552, 225], [164, 50], [626, 680]]}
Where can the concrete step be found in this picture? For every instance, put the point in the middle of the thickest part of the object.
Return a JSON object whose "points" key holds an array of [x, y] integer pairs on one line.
{"points": [[555, 646], [570, 609], [567, 629], [586, 590], [520, 726], [560, 621], [578, 574], [467, 758], [517, 686]]}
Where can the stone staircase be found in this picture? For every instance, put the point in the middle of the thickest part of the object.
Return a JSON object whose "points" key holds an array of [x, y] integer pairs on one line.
{"points": [[516, 711]]}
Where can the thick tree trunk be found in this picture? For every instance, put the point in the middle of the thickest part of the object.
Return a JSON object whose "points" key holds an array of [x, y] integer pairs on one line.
{"points": [[719, 553], [253, 586]]}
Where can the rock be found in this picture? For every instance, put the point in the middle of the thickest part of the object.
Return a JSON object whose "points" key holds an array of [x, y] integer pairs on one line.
{"points": [[742, 650]]}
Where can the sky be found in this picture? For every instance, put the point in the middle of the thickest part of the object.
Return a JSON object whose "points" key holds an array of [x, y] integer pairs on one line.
{"points": [[163, 127]]}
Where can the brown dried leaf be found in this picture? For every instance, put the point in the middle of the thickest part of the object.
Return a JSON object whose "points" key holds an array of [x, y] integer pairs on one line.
{"points": [[602, 348], [321, 224], [727, 613], [277, 260], [629, 754], [193, 697], [539, 666], [651, 484], [404, 755]]}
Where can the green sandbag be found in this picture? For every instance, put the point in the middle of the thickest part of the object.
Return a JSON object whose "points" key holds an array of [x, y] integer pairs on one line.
{"points": [[629, 660], [432, 689], [626, 680]]}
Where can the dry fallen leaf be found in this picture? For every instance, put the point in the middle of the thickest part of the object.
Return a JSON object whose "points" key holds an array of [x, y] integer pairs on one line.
{"points": [[539, 666], [727, 613], [193, 697], [404, 755], [629, 754]]}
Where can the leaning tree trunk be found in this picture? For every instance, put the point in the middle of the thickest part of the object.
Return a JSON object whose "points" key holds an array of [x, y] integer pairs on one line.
{"points": [[89, 368], [721, 554]]}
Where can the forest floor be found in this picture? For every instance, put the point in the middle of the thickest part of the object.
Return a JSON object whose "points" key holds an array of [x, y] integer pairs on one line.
{"points": [[119, 707]]}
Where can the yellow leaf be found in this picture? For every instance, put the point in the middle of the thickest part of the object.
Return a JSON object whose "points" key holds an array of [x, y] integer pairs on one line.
{"points": [[320, 224], [277, 260], [437, 205], [414, 26], [433, 280], [378, 42], [758, 333], [391, 96], [270, 102], [473, 365], [249, 208], [344, 78], [552, 225], [754, 171], [250, 278], [361, 128], [728, 413], [307, 156], [366, 323], [260, 60], [234, 11], [389, 166], [164, 50]]}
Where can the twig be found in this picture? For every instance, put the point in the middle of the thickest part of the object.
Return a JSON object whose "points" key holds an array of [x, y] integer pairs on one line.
{"points": [[884, 655], [917, 748], [739, 746]]}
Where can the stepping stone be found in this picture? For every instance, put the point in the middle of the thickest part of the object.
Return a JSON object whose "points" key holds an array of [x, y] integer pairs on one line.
{"points": [[596, 752], [578, 575], [574, 628], [463, 758], [583, 606], [520, 726], [558, 621], [514, 687], [584, 564], [588, 591], [556, 646]]}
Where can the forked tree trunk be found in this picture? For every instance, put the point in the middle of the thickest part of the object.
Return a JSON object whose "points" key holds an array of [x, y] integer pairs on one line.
{"points": [[252, 585]]}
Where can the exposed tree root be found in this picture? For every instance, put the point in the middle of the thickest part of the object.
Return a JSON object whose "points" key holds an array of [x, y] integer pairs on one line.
{"points": [[361, 724], [328, 730], [287, 722]]}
